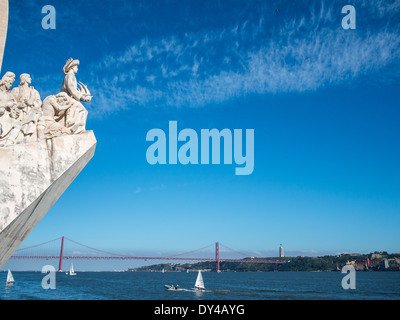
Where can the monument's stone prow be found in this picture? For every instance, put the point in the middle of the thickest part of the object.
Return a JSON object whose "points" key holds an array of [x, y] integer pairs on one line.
{"points": [[32, 178], [43, 147]]}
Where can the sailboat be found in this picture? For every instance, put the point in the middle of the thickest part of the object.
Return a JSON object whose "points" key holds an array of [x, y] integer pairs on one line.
{"points": [[10, 278], [71, 271], [199, 285]]}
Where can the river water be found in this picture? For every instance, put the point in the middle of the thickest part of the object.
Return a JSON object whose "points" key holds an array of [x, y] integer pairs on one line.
{"points": [[220, 286]]}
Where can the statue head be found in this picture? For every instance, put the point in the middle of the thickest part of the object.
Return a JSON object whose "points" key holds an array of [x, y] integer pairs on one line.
{"points": [[62, 98], [71, 64], [7, 81], [25, 78]]}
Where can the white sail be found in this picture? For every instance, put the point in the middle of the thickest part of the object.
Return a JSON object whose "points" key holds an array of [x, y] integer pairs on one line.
{"points": [[71, 270], [199, 282], [10, 277]]}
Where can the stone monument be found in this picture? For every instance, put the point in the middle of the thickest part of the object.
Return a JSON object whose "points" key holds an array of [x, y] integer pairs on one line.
{"points": [[43, 147], [3, 27]]}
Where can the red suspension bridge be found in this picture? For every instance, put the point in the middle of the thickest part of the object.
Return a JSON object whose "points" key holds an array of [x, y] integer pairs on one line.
{"points": [[97, 254]]}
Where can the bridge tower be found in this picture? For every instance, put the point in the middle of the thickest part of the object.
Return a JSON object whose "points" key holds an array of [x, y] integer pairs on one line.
{"points": [[217, 256], [61, 255]]}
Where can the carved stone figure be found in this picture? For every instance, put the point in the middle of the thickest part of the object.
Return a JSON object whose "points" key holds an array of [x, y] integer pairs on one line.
{"points": [[5, 85], [54, 114], [30, 104], [76, 116], [24, 118], [34, 175], [10, 114]]}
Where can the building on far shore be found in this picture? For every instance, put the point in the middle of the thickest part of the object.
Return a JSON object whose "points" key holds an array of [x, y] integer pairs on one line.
{"points": [[281, 254]]}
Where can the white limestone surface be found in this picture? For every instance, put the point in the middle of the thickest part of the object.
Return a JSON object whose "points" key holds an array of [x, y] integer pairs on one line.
{"points": [[32, 177], [3, 27]]}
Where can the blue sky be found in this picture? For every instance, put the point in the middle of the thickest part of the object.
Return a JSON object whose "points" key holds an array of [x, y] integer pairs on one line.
{"points": [[323, 101]]}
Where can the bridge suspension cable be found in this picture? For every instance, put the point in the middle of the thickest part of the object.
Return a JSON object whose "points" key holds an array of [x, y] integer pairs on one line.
{"points": [[102, 251], [244, 254], [38, 245], [181, 254], [117, 256]]}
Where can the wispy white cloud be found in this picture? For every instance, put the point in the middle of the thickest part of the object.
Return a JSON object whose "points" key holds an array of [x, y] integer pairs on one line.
{"points": [[78, 252], [381, 8], [302, 53]]}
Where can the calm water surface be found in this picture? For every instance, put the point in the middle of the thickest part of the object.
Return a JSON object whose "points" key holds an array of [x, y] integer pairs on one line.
{"points": [[221, 286]]}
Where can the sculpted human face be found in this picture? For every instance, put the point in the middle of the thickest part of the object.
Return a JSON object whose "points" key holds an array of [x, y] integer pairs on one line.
{"points": [[9, 82], [26, 79]]}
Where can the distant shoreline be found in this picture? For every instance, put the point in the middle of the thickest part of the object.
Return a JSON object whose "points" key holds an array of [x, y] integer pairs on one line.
{"points": [[378, 261]]}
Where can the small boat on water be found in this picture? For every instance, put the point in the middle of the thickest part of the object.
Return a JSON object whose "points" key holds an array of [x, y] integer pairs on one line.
{"points": [[10, 278], [172, 287], [71, 271], [199, 285]]}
